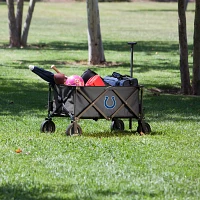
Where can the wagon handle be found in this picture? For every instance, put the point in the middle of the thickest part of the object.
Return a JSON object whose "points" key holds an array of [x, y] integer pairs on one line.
{"points": [[131, 73], [131, 61]]}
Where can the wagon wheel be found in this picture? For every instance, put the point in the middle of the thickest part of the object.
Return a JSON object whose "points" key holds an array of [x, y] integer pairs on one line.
{"points": [[146, 128], [48, 126], [71, 132], [117, 125]]}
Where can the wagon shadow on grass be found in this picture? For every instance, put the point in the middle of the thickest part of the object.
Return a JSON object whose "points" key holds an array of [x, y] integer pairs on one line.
{"points": [[120, 134]]}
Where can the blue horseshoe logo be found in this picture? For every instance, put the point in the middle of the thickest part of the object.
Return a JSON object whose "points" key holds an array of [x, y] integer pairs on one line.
{"points": [[111, 106]]}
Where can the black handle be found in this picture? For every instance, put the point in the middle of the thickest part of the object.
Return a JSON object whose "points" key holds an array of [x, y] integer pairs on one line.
{"points": [[131, 62]]}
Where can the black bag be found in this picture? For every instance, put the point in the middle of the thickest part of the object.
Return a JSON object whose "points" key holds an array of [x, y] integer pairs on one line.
{"points": [[87, 75], [120, 80]]}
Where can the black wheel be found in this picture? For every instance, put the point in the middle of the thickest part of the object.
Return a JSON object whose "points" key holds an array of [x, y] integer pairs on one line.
{"points": [[71, 132], [146, 128], [117, 125], [48, 126]]}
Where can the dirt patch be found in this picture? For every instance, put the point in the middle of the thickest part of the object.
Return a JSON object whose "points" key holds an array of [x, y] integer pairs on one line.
{"points": [[170, 90]]}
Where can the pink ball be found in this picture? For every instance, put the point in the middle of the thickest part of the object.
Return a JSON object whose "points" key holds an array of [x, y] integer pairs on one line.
{"points": [[74, 80]]}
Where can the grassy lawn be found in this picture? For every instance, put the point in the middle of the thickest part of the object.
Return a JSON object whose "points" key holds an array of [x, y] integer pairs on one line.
{"points": [[101, 164]]}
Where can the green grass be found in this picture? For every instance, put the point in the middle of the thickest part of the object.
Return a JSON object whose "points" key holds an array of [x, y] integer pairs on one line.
{"points": [[100, 164]]}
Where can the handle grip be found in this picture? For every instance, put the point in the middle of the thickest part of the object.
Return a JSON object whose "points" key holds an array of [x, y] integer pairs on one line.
{"points": [[54, 68]]}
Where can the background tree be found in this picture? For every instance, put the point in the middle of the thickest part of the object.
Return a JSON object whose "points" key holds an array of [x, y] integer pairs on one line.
{"points": [[196, 51], [95, 45], [17, 38], [19, 16], [27, 23], [186, 4], [14, 39], [183, 48]]}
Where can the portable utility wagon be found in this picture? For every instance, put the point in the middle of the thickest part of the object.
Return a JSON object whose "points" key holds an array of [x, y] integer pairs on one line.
{"points": [[99, 102]]}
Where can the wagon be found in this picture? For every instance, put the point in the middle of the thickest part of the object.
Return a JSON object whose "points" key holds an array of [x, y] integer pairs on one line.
{"points": [[94, 103]]}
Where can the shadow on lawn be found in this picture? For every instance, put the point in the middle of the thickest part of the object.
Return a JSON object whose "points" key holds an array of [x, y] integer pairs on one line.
{"points": [[132, 193], [109, 134], [121, 46], [148, 48], [34, 192], [120, 134], [166, 107], [18, 97], [59, 192]]}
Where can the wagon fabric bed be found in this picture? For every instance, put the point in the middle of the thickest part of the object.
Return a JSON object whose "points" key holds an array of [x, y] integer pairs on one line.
{"points": [[110, 103]]}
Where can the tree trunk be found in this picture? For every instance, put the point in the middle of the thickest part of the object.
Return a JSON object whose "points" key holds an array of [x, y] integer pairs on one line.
{"points": [[19, 16], [27, 23], [14, 39], [186, 3], [183, 46], [196, 51], [95, 45]]}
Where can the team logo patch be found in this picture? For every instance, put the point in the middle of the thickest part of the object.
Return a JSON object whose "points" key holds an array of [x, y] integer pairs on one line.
{"points": [[109, 103]]}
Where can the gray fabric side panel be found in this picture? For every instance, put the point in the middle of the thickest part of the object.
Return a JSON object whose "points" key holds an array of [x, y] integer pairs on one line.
{"points": [[109, 101]]}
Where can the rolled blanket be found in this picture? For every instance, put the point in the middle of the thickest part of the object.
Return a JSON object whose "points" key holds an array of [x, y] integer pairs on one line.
{"points": [[42, 73]]}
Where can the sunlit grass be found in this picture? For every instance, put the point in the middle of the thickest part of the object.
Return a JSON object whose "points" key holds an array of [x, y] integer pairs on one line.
{"points": [[100, 164]]}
